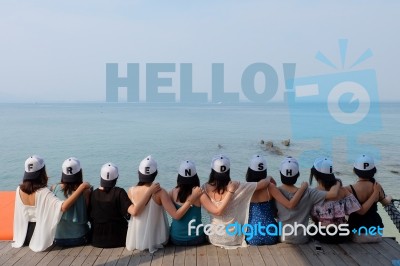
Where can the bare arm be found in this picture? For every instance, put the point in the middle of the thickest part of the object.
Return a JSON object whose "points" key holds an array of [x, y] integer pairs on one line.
{"points": [[333, 192], [136, 209], [218, 210], [170, 207], [263, 183], [277, 195], [74, 196]]}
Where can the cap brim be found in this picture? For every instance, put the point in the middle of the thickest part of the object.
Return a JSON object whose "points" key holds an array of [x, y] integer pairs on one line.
{"points": [[108, 183], [71, 178], [33, 175]]}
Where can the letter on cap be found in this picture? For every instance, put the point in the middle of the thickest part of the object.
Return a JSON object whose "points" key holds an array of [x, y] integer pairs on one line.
{"points": [[330, 169], [366, 165], [289, 172], [30, 166], [223, 168], [108, 175], [188, 172], [69, 170], [260, 166], [147, 169]]}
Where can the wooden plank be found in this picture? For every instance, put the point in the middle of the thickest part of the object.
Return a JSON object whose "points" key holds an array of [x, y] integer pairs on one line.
{"points": [[322, 255], [255, 255], [293, 254], [245, 256], [57, 260], [190, 256], [370, 249], [169, 253], [92, 256], [17, 256], [277, 254], [223, 258], [49, 256], [358, 254], [234, 257], [267, 256], [114, 256], [158, 257], [310, 254], [336, 256], [82, 256], [33, 258], [387, 250], [212, 258], [135, 258], [179, 258], [124, 258], [9, 252], [393, 243], [145, 258], [343, 255], [201, 255], [4, 247]]}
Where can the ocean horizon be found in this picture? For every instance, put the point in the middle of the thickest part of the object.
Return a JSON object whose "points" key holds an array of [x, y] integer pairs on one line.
{"points": [[125, 133]]}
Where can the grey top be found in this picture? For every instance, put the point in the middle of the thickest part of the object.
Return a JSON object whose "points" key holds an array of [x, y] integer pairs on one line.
{"points": [[300, 214]]}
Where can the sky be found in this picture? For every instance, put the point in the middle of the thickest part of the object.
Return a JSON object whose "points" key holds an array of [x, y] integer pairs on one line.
{"points": [[57, 51]]}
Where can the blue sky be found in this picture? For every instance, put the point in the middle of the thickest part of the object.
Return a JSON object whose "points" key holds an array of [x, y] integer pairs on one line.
{"points": [[58, 50]]}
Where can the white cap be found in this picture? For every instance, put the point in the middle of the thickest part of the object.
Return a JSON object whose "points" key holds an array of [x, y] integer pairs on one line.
{"points": [[187, 169], [148, 166], [34, 164], [289, 167], [109, 172], [258, 163], [71, 166], [32, 167], [220, 164], [324, 165], [364, 163]]}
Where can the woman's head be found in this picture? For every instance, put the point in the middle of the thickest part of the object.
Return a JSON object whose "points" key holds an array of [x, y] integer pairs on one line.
{"points": [[35, 176], [322, 170], [257, 169], [364, 167], [147, 171], [71, 176], [108, 176], [220, 173], [187, 179], [289, 171]]}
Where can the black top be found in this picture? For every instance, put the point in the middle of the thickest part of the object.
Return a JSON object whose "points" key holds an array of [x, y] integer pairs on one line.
{"points": [[369, 219], [109, 214]]}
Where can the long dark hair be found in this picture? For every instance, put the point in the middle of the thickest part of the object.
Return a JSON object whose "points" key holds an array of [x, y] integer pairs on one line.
{"points": [[70, 187], [255, 176], [185, 186], [369, 174], [31, 186], [219, 180], [327, 180]]}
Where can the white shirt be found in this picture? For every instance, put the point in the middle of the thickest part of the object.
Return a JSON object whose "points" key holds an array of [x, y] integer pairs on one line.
{"points": [[46, 213]]}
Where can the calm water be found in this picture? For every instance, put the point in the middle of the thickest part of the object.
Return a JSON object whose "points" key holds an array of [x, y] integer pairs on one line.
{"points": [[126, 133]]}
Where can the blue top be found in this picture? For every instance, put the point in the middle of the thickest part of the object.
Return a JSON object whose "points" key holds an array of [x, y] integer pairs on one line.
{"points": [[74, 222], [262, 213], [179, 228]]}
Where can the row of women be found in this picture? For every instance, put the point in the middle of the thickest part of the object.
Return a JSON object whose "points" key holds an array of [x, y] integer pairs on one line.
{"points": [[71, 213]]}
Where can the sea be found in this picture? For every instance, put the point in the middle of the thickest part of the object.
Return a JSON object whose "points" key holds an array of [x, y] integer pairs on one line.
{"points": [[125, 133]]}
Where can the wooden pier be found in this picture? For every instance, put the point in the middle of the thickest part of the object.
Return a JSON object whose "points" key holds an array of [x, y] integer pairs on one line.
{"points": [[281, 254]]}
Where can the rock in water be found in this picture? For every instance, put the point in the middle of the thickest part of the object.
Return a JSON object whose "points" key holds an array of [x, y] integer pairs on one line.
{"points": [[269, 145], [262, 142], [286, 142]]}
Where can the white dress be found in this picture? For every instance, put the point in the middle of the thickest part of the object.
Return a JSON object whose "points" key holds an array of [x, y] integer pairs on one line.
{"points": [[46, 213], [237, 211], [149, 230]]}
